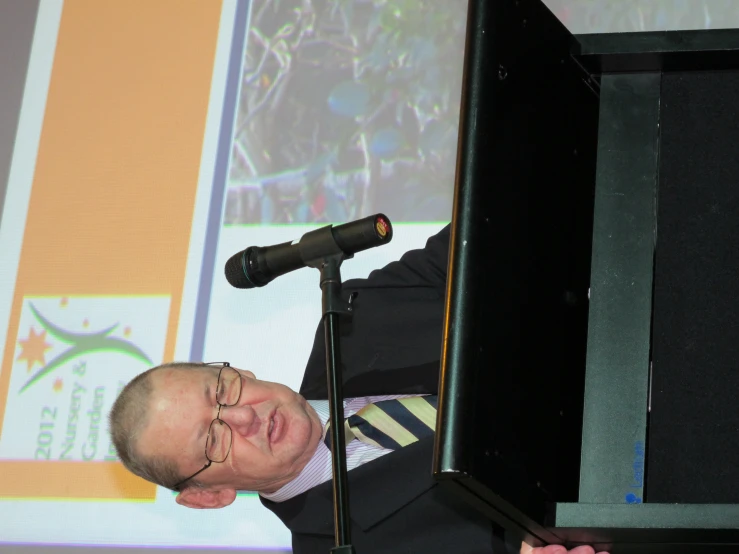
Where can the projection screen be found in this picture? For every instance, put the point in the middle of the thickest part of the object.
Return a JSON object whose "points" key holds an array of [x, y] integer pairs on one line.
{"points": [[142, 143]]}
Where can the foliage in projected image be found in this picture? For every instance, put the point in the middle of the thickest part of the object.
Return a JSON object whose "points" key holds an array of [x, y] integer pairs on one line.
{"points": [[347, 108]]}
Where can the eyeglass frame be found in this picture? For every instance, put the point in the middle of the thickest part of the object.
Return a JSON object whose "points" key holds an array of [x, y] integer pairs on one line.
{"points": [[217, 418]]}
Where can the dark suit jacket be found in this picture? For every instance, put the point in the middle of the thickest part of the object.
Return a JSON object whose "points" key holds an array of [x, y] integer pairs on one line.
{"points": [[391, 346]]}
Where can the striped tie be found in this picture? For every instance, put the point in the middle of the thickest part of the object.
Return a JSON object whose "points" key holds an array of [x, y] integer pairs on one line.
{"points": [[390, 424]]}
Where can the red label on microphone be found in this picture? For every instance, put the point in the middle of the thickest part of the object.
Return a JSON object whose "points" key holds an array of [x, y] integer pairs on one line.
{"points": [[382, 226]]}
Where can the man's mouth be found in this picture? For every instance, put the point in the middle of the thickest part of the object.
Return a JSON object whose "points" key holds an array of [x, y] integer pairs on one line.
{"points": [[274, 431]]}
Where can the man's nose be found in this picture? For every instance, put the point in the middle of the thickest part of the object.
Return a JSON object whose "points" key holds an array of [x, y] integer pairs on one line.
{"points": [[242, 419]]}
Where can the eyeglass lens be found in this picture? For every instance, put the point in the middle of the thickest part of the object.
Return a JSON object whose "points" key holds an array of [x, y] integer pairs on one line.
{"points": [[219, 441], [228, 392], [229, 387]]}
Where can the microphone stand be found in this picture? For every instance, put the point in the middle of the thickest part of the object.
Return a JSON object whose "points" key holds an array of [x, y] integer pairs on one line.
{"points": [[313, 250]]}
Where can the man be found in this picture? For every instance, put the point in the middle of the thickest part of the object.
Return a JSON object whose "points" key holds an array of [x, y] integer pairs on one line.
{"points": [[269, 439]]}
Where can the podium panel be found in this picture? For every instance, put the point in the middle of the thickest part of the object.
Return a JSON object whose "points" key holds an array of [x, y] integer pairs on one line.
{"points": [[592, 331], [520, 266], [694, 417]]}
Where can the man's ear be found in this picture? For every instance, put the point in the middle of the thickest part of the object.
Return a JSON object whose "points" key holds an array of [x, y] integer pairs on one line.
{"points": [[195, 497]]}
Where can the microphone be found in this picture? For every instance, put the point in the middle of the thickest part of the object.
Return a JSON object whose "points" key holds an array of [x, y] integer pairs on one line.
{"points": [[256, 266]]}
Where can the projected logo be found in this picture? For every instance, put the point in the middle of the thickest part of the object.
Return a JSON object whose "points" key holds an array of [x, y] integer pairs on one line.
{"points": [[73, 355]]}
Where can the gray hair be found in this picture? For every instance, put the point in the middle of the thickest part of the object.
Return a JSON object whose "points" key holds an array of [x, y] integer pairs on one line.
{"points": [[127, 420]]}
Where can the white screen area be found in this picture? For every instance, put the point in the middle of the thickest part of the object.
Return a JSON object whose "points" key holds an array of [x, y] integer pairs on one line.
{"points": [[317, 112]]}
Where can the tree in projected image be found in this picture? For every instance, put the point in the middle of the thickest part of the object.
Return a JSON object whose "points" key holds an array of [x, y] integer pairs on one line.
{"points": [[347, 108]]}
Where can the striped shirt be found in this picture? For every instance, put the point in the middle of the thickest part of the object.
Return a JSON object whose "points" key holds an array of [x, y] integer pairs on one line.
{"points": [[318, 469]]}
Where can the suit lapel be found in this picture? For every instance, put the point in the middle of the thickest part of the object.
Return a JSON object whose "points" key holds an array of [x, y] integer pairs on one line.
{"points": [[391, 345], [377, 490]]}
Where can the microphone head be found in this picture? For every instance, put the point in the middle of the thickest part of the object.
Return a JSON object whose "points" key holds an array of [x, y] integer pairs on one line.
{"points": [[236, 271]]}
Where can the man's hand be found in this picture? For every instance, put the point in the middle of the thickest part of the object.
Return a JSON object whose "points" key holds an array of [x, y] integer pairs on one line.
{"points": [[557, 549]]}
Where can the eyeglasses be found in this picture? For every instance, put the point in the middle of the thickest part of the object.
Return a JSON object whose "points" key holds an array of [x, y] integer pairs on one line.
{"points": [[218, 442]]}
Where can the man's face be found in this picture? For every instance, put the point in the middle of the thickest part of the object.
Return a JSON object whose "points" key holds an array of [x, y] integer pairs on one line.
{"points": [[275, 431]]}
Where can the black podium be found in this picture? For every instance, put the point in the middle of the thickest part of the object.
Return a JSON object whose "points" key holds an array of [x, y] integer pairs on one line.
{"points": [[590, 371]]}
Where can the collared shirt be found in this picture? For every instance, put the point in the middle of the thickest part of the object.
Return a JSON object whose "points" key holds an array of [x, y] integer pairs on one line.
{"points": [[318, 469]]}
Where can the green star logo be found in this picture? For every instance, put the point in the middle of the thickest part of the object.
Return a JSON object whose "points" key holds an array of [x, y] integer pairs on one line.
{"points": [[80, 344]]}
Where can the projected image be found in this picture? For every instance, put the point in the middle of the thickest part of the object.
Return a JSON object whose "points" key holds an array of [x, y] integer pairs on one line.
{"points": [[607, 16], [118, 213], [347, 108], [73, 355]]}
